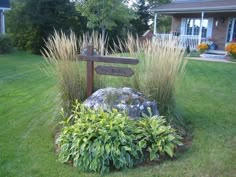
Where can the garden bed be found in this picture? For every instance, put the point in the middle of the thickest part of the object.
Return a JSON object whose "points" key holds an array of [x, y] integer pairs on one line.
{"points": [[27, 122]]}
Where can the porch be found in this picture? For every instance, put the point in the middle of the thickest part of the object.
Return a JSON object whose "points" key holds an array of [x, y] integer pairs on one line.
{"points": [[184, 41], [194, 22]]}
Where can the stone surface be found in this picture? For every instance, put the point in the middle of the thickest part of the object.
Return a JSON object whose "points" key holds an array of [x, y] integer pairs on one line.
{"points": [[123, 99], [213, 56]]}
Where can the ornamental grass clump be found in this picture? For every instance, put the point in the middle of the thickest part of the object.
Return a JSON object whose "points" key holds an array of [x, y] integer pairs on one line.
{"points": [[101, 46], [161, 66], [99, 43], [94, 140], [61, 52]]}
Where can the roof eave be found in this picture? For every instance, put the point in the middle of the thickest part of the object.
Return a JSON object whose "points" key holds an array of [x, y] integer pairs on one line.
{"points": [[5, 8], [192, 10]]}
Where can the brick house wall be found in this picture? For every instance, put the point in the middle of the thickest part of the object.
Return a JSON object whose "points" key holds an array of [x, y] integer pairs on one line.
{"points": [[175, 24], [219, 32]]}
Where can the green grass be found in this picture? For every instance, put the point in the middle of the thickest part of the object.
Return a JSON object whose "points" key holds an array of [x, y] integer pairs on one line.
{"points": [[28, 107]]}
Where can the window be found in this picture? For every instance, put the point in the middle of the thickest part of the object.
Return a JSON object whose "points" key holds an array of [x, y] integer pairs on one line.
{"points": [[231, 34], [193, 27]]}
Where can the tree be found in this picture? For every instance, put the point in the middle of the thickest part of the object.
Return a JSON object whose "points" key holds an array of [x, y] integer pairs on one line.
{"points": [[163, 21], [104, 14], [153, 3], [140, 23], [31, 21]]}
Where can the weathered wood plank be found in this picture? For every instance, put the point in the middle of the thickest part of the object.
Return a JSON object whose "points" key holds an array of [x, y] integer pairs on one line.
{"points": [[106, 59], [90, 73], [114, 71]]}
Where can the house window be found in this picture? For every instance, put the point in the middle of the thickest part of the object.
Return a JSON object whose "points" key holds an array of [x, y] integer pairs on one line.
{"points": [[193, 26], [231, 34]]}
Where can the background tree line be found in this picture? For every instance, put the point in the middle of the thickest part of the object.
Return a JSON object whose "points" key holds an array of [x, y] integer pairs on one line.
{"points": [[29, 22]]}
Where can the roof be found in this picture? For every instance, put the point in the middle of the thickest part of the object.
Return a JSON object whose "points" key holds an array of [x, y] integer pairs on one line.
{"points": [[197, 6], [4, 3]]}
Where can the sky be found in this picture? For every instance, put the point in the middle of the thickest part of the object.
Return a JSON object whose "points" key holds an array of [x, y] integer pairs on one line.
{"points": [[131, 2]]}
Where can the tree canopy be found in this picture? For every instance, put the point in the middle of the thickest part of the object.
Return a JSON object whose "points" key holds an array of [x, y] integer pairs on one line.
{"points": [[31, 21], [141, 23], [104, 14]]}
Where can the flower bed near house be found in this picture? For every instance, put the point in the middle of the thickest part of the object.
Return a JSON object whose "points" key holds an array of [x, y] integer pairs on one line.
{"points": [[206, 44], [202, 47], [231, 50]]}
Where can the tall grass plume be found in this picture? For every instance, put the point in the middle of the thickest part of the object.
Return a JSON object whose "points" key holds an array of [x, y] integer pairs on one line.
{"points": [[162, 64], [100, 43], [61, 53]]}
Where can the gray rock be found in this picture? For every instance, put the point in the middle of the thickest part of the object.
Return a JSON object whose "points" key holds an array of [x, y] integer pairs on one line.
{"points": [[123, 99]]}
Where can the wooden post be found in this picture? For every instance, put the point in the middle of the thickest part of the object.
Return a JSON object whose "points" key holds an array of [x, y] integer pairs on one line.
{"points": [[90, 58], [90, 72], [155, 25]]}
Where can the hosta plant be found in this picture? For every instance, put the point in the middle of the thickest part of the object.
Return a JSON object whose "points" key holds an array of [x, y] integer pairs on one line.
{"points": [[98, 141], [155, 137], [94, 140]]}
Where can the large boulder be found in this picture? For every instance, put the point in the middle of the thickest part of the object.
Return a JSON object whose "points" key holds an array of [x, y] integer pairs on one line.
{"points": [[123, 99]]}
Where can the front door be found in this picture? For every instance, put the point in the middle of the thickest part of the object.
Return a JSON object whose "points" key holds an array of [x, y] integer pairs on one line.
{"points": [[231, 35]]}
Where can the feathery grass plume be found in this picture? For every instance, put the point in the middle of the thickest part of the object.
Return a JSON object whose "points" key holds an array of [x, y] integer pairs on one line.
{"points": [[60, 52], [94, 39], [101, 45], [162, 64]]}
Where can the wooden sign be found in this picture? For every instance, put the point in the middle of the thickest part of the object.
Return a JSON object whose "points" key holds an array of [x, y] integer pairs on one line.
{"points": [[110, 59], [114, 71], [90, 56]]}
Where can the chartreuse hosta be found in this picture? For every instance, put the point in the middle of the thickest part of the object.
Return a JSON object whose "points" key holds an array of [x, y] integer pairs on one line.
{"points": [[94, 140]]}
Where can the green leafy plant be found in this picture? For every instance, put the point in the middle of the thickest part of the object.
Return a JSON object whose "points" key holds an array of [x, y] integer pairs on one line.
{"points": [[5, 44], [98, 141], [155, 137], [94, 140]]}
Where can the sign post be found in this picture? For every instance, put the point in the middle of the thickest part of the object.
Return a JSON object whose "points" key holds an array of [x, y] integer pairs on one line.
{"points": [[90, 58], [90, 73]]}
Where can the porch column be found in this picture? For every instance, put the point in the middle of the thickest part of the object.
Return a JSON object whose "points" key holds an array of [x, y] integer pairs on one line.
{"points": [[2, 22], [155, 24], [200, 30]]}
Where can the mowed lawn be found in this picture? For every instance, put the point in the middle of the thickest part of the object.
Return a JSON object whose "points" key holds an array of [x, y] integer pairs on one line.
{"points": [[29, 107]]}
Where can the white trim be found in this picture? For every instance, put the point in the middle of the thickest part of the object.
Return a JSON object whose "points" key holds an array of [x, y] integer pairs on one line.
{"points": [[232, 30], [209, 27], [226, 37], [2, 22], [222, 8], [193, 12], [155, 24], [5, 8], [200, 30]]}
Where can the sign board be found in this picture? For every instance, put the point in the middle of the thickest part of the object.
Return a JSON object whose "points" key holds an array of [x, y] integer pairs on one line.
{"points": [[90, 55], [114, 71]]}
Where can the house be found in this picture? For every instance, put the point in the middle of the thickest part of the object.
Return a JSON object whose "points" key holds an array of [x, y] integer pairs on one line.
{"points": [[4, 5], [196, 20]]}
